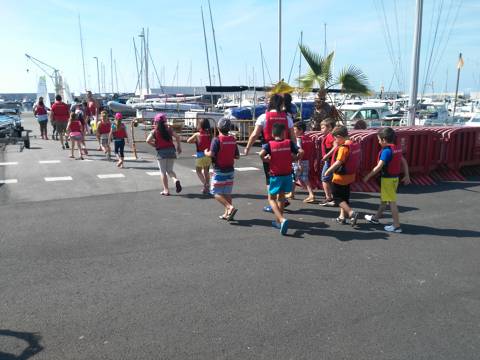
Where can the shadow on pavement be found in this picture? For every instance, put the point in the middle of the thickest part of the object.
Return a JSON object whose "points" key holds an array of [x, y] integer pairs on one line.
{"points": [[32, 339], [427, 230]]}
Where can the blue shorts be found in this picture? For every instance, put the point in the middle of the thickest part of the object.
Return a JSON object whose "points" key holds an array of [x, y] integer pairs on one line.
{"points": [[303, 175], [280, 184], [326, 165]]}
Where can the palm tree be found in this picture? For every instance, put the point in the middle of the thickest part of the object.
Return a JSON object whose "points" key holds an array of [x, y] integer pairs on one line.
{"points": [[351, 79]]}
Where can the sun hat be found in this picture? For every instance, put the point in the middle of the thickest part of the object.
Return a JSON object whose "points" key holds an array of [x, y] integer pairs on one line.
{"points": [[118, 116]]}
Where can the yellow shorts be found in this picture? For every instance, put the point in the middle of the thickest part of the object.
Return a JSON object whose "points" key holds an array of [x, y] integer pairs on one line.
{"points": [[203, 162], [388, 189]]}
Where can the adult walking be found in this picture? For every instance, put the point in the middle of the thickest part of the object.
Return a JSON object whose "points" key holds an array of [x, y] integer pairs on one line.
{"points": [[263, 127], [59, 116], [92, 111], [161, 138], [41, 113]]}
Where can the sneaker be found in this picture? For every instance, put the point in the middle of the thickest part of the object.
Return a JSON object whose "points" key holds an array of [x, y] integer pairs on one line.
{"points": [[268, 209], [391, 228], [354, 218], [371, 219], [66, 145], [341, 221], [275, 224], [178, 186], [284, 227], [329, 203], [63, 147], [286, 203]]}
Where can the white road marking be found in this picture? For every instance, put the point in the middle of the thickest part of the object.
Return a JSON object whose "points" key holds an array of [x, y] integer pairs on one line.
{"points": [[86, 160], [59, 178], [211, 171], [49, 162], [153, 173], [110, 176], [130, 158], [248, 168], [9, 181], [9, 163]]}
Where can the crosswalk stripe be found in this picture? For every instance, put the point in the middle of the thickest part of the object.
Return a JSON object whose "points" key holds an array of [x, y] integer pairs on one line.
{"points": [[153, 173], [247, 168], [110, 176], [59, 178], [9, 163], [49, 161], [9, 181]]}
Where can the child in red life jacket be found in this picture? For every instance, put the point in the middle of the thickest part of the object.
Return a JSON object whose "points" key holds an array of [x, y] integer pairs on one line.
{"points": [[328, 147], [280, 153], [118, 133], [302, 166], [103, 130], [161, 138], [345, 158], [75, 130], [224, 151], [390, 162], [202, 139]]}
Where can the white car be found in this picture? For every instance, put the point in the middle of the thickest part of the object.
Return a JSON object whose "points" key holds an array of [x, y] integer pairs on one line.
{"points": [[474, 121]]}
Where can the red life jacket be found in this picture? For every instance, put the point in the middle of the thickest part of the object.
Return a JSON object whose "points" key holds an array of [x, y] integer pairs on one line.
{"points": [[75, 126], [104, 128], [120, 133], [40, 110], [280, 157], [226, 154], [308, 147], [395, 164], [352, 163], [161, 143], [329, 137], [273, 117], [203, 141], [60, 111], [91, 108]]}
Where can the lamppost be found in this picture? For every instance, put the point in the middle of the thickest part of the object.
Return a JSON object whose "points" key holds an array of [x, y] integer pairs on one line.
{"points": [[98, 75]]}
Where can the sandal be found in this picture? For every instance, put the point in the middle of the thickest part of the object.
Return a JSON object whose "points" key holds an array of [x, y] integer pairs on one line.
{"points": [[231, 214], [223, 217], [178, 186], [341, 221], [165, 193], [309, 200]]}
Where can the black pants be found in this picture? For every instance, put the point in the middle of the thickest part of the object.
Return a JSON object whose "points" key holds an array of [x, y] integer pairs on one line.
{"points": [[341, 193], [119, 146]]}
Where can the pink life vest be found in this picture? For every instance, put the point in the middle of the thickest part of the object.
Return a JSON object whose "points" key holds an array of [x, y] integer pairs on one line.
{"points": [[352, 163], [280, 157], [273, 117], [226, 154], [119, 133], [40, 110], [204, 141], [161, 143], [394, 166], [104, 128]]}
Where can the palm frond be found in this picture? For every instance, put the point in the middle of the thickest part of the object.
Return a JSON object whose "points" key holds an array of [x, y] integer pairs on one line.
{"points": [[327, 68], [314, 60], [307, 81], [353, 80]]}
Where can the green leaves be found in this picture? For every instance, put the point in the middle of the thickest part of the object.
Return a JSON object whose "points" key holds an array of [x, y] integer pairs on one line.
{"points": [[351, 79]]}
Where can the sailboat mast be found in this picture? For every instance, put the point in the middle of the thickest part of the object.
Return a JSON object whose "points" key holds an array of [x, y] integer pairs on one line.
{"points": [[299, 75], [206, 51], [116, 74], [215, 44], [111, 70], [417, 39], [83, 58], [279, 40], [263, 69]]}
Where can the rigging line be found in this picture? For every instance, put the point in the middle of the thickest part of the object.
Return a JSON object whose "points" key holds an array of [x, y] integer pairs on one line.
{"points": [[266, 67], [433, 45], [155, 70], [429, 41], [293, 63], [448, 37], [388, 42], [398, 42]]}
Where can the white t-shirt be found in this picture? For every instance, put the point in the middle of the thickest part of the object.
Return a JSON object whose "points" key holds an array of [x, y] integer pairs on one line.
{"points": [[261, 121]]}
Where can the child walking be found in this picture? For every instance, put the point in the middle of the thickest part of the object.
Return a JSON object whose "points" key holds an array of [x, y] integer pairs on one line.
{"points": [[41, 113], [302, 166], [279, 153], [202, 139], [103, 131], [345, 163], [161, 138], [76, 132], [328, 147], [224, 151], [390, 163], [118, 133]]}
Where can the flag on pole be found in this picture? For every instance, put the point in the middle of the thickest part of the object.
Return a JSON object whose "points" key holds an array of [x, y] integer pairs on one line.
{"points": [[460, 62]]}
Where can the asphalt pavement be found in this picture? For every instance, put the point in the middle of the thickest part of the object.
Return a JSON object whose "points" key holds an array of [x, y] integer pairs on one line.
{"points": [[106, 268]]}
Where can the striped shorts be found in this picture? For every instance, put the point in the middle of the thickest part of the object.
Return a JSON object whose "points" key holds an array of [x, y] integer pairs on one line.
{"points": [[221, 183]]}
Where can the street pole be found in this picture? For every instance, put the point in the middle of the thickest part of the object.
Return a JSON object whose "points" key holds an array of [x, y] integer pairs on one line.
{"points": [[98, 75], [459, 67], [417, 38], [279, 40]]}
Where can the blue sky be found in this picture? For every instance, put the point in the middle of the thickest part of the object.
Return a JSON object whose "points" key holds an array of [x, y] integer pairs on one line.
{"points": [[49, 31]]}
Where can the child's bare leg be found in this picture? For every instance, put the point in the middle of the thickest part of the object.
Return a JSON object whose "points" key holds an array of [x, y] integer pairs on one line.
{"points": [[206, 175], [381, 209], [223, 199], [395, 214], [347, 210], [311, 195], [200, 175], [272, 199], [327, 188]]}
